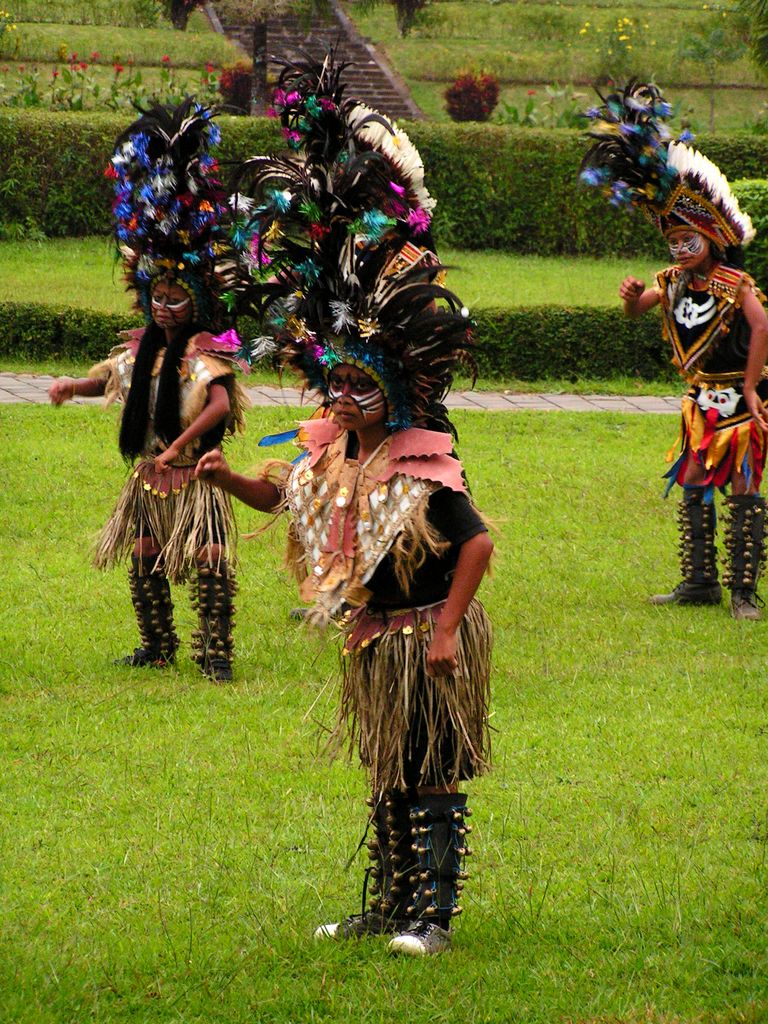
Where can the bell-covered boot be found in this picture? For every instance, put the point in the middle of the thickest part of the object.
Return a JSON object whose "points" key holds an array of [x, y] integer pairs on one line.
{"points": [[392, 864], [698, 560], [151, 596], [212, 643], [745, 553], [439, 830]]}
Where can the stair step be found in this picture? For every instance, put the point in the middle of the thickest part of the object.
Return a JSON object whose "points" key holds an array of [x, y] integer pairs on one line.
{"points": [[287, 36]]}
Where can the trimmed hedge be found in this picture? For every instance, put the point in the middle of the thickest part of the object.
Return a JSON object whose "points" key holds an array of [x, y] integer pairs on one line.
{"points": [[548, 341], [515, 189], [53, 166], [34, 331], [753, 197], [529, 344]]}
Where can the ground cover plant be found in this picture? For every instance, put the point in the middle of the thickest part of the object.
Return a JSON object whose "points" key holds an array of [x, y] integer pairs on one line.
{"points": [[172, 844], [129, 13], [82, 272], [107, 57], [737, 109], [527, 43], [52, 43]]}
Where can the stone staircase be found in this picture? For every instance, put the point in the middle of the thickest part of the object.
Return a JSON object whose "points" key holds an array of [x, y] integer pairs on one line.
{"points": [[370, 78]]}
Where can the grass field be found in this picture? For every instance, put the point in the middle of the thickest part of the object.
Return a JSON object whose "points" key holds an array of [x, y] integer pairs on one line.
{"points": [[41, 44], [82, 272], [528, 42], [90, 12], [734, 108], [169, 846]]}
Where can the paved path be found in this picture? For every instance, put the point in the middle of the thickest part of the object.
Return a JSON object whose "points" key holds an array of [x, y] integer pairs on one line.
{"points": [[27, 387]]}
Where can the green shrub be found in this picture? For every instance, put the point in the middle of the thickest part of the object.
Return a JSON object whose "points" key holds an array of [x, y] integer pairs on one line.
{"points": [[752, 195], [548, 341], [33, 331], [497, 188], [525, 343], [53, 165]]}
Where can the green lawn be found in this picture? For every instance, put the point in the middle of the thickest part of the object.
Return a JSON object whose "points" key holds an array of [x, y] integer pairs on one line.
{"points": [[170, 846], [530, 42], [534, 42], [734, 108], [81, 272], [41, 43], [131, 13]]}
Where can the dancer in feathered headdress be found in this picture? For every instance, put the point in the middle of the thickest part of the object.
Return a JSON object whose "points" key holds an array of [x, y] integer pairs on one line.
{"points": [[713, 317], [382, 526], [175, 379]]}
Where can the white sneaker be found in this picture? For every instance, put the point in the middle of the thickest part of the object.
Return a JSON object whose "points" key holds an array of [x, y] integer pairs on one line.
{"points": [[359, 926], [422, 938]]}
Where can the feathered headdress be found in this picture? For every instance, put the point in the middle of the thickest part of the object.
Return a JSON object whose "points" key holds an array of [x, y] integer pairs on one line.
{"points": [[382, 311], [169, 205], [337, 251], [322, 125], [635, 162]]}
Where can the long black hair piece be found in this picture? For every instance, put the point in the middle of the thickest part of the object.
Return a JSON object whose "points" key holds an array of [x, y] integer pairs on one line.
{"points": [[135, 422]]}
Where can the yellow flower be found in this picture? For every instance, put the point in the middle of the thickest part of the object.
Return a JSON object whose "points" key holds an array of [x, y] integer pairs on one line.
{"points": [[582, 31], [623, 39]]}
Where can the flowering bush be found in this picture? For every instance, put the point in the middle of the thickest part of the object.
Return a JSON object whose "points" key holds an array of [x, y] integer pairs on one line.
{"points": [[75, 85], [560, 107], [9, 38], [235, 86], [615, 46], [472, 97]]}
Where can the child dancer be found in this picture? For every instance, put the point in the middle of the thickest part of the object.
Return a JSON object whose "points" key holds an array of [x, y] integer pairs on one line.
{"points": [[176, 383], [713, 315], [384, 536]]}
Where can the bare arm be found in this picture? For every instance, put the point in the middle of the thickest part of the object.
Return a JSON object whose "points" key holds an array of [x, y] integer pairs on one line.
{"points": [[216, 408], [472, 563], [757, 319], [65, 388], [258, 492], [636, 297]]}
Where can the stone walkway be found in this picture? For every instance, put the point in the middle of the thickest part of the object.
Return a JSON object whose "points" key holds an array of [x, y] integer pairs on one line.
{"points": [[31, 388]]}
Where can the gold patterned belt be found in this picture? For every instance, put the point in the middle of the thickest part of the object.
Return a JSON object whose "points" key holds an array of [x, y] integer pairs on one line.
{"points": [[172, 481], [362, 625], [723, 378]]}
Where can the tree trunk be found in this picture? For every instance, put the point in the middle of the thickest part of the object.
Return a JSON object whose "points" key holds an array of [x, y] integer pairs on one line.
{"points": [[260, 95], [180, 14], [712, 85]]}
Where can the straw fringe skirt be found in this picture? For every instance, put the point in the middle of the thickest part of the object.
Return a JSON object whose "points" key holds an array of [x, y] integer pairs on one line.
{"points": [[411, 728], [182, 519]]}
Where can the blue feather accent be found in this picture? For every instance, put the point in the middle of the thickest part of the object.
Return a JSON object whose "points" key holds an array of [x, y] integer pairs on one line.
{"points": [[272, 439], [671, 474]]}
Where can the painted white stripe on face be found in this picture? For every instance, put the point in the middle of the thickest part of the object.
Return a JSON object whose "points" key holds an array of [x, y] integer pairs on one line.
{"points": [[688, 245]]}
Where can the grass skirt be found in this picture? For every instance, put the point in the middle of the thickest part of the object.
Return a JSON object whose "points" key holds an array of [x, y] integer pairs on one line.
{"points": [[181, 513], [411, 728]]}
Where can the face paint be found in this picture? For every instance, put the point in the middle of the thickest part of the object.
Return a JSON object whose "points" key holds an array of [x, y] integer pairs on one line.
{"points": [[364, 392], [170, 305], [686, 245], [173, 307]]}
